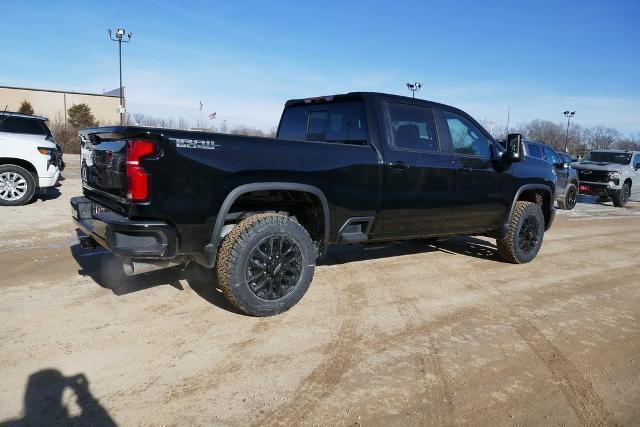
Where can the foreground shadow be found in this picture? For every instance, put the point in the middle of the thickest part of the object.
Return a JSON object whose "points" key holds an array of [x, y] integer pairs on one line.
{"points": [[45, 405], [105, 269]]}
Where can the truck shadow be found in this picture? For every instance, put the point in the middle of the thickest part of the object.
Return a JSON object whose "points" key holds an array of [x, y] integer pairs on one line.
{"points": [[468, 246], [105, 269], [46, 405]]}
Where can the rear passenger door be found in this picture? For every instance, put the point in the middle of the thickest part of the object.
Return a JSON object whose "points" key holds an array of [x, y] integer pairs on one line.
{"points": [[418, 176], [478, 203]]}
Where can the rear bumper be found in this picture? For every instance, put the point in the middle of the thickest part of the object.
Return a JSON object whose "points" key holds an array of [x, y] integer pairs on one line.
{"points": [[123, 236]]}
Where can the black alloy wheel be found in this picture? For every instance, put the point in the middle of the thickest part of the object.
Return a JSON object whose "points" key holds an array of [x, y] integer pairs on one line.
{"points": [[274, 267], [528, 236]]}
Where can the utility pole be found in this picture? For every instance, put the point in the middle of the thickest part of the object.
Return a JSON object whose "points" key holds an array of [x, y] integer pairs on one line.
{"points": [[491, 123], [568, 114], [508, 117], [414, 87], [119, 38]]}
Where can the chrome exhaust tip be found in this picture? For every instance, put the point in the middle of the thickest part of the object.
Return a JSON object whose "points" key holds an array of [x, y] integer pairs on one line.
{"points": [[133, 267]]}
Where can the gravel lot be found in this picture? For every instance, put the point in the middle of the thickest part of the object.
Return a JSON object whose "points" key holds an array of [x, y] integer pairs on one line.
{"points": [[413, 333]]}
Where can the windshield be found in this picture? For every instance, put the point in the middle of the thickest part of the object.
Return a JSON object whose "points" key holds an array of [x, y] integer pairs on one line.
{"points": [[608, 157]]}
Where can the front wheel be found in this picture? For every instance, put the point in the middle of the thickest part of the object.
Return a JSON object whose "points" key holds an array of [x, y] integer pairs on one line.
{"points": [[524, 238], [266, 264], [570, 198], [621, 197], [17, 185]]}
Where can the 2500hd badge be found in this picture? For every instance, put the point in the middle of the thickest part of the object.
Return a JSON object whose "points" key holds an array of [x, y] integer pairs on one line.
{"points": [[204, 144]]}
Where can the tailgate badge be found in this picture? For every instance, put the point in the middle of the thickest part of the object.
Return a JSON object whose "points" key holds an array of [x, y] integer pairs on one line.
{"points": [[204, 144]]}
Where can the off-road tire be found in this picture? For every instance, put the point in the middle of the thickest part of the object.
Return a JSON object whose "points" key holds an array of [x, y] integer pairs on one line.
{"points": [[509, 248], [621, 197], [570, 198], [235, 252], [30, 185]]}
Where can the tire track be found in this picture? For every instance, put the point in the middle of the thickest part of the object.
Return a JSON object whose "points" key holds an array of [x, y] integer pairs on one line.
{"points": [[344, 354], [438, 406], [586, 404]]}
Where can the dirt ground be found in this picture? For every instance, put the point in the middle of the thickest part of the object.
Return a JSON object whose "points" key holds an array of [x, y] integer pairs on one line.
{"points": [[414, 333]]}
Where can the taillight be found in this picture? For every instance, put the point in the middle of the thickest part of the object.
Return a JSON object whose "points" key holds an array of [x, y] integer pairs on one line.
{"points": [[137, 178]]}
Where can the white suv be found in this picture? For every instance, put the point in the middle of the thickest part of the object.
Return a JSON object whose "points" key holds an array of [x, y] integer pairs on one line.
{"points": [[30, 160]]}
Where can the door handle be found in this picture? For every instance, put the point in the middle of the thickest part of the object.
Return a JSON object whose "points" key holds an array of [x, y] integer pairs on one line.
{"points": [[459, 165], [399, 165]]}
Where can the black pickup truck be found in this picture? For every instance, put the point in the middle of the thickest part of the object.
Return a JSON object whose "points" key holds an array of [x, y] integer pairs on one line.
{"points": [[363, 168]]}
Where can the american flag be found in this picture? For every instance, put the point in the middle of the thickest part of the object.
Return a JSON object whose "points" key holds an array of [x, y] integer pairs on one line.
{"points": [[212, 116]]}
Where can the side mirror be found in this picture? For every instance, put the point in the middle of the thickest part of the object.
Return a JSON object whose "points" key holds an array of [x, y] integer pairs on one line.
{"points": [[637, 166], [514, 147]]}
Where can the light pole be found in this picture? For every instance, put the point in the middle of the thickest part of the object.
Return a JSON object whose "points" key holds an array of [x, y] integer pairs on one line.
{"points": [[414, 87], [568, 114], [119, 38]]}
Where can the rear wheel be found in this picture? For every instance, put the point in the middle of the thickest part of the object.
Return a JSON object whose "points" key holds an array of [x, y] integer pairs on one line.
{"points": [[17, 185], [266, 264], [570, 198], [525, 235], [621, 197]]}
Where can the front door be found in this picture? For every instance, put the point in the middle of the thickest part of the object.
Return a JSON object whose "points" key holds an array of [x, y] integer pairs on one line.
{"points": [[561, 172], [418, 175], [478, 202]]}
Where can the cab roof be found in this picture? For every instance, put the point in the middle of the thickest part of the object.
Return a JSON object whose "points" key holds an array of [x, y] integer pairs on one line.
{"points": [[360, 95], [22, 115]]}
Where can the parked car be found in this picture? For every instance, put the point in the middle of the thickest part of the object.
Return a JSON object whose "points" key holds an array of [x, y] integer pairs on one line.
{"points": [[30, 160], [610, 174], [567, 185], [363, 168]]}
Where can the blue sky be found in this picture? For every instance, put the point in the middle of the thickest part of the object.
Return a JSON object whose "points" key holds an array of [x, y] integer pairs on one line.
{"points": [[243, 59]]}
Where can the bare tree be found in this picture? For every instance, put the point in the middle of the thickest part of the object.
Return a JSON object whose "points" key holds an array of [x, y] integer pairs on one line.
{"points": [[601, 138]]}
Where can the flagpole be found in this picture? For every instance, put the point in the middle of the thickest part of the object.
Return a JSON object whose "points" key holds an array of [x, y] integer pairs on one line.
{"points": [[201, 119]]}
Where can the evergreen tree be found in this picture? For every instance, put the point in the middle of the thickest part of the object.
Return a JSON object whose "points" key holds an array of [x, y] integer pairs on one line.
{"points": [[80, 116], [26, 108]]}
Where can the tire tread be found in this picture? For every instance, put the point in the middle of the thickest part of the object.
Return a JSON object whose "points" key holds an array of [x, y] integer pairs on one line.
{"points": [[233, 246], [506, 246]]}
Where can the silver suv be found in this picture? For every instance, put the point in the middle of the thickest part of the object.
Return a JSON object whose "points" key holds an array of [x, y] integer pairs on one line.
{"points": [[610, 174], [567, 185]]}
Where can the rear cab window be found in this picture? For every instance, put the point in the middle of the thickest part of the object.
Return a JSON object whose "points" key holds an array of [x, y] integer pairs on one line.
{"points": [[11, 124], [336, 122]]}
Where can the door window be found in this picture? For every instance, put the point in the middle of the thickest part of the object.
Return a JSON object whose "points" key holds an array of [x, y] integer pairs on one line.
{"points": [[412, 127], [551, 156], [466, 138], [534, 150]]}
